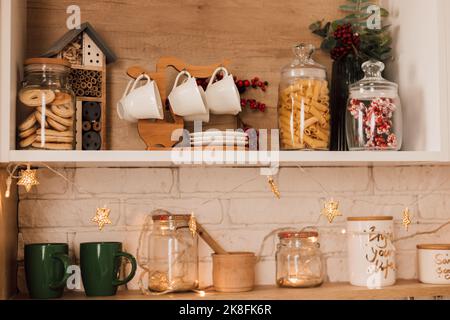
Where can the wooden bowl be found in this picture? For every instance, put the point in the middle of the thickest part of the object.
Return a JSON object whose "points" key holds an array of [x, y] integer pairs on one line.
{"points": [[234, 272]]}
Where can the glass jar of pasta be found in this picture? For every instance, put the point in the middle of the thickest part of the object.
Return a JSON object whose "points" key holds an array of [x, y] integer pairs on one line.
{"points": [[304, 103], [46, 117], [374, 112]]}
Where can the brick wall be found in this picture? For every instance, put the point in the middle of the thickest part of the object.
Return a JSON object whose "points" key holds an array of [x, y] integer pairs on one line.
{"points": [[57, 212]]}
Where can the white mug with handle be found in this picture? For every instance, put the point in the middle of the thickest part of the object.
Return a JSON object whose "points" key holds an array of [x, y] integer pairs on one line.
{"points": [[186, 98], [205, 117], [141, 103], [223, 96]]}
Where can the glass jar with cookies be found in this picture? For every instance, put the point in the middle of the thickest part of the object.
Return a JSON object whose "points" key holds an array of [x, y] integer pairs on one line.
{"points": [[46, 114], [304, 103]]}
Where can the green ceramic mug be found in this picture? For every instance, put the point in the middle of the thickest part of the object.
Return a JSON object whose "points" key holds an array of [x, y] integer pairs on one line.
{"points": [[46, 266], [100, 264]]}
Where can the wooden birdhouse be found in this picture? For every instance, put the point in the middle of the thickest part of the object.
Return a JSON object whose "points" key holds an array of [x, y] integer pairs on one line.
{"points": [[89, 56]]}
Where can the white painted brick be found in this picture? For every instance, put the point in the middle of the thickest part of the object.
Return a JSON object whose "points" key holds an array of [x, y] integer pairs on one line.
{"points": [[333, 179], [207, 213], [110, 236], [50, 185], [337, 269], [266, 272], [205, 273], [20, 247], [236, 240], [64, 213], [383, 205], [406, 265], [124, 181], [31, 236], [410, 179], [410, 244], [435, 206], [21, 280], [221, 180], [268, 210]]}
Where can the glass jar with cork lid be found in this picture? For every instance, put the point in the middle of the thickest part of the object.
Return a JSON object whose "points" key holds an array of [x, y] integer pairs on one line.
{"points": [[304, 103], [46, 111], [172, 259], [299, 260]]}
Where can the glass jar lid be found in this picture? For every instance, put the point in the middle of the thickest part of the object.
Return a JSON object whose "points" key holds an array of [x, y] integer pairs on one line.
{"points": [[298, 235], [163, 215], [373, 84], [303, 66], [47, 64]]}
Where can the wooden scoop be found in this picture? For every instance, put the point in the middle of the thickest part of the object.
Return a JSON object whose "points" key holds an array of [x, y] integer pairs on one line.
{"points": [[217, 248]]}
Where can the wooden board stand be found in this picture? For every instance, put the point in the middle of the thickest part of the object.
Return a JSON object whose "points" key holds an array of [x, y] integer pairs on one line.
{"points": [[157, 134]]}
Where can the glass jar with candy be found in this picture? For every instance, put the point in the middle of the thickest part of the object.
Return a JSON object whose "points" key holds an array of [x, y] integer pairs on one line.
{"points": [[374, 113]]}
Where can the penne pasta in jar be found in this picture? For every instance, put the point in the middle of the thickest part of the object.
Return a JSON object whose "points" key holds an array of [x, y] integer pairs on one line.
{"points": [[304, 104]]}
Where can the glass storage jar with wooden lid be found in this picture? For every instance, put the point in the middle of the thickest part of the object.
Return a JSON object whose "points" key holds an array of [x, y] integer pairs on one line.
{"points": [[303, 106], [46, 113], [299, 260], [172, 254]]}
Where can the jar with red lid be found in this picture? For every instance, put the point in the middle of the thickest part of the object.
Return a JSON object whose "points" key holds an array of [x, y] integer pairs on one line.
{"points": [[299, 260], [172, 254]]}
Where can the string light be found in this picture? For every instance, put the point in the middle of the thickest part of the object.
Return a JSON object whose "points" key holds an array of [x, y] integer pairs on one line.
{"points": [[193, 225], [102, 217], [274, 187], [8, 187], [331, 210], [406, 219], [28, 178]]}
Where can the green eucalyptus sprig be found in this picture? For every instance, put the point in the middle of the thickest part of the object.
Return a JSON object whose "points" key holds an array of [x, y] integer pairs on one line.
{"points": [[373, 44]]}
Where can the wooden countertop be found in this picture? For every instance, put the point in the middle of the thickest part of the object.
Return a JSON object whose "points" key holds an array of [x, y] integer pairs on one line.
{"points": [[329, 291]]}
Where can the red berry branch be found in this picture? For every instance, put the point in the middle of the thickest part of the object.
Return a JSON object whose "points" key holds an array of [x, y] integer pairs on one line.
{"points": [[255, 83]]}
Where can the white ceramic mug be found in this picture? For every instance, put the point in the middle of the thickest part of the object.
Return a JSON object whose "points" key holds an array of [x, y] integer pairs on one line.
{"points": [[141, 103], [223, 96], [371, 252], [186, 98], [205, 117]]}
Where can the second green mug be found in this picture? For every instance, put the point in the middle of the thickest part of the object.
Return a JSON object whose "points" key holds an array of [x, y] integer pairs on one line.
{"points": [[100, 265]]}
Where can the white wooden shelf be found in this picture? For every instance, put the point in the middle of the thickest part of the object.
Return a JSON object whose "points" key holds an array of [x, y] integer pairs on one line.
{"points": [[329, 291], [248, 159], [422, 71]]}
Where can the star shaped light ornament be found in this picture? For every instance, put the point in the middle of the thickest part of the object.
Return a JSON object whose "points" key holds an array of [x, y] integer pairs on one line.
{"points": [[406, 219], [28, 178], [102, 217], [274, 187], [331, 210]]}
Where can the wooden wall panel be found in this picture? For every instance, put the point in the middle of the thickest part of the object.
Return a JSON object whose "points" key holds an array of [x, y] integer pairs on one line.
{"points": [[255, 35], [8, 240]]}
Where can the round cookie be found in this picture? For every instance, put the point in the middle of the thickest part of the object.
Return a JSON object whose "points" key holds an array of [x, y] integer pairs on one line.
{"points": [[55, 139], [27, 133], [54, 146], [51, 115], [62, 98], [25, 143], [63, 110], [55, 133], [56, 125], [33, 98], [38, 117], [28, 123]]}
